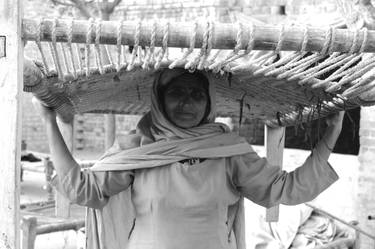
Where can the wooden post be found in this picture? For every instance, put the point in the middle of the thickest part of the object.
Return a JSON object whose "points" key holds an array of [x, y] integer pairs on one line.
{"points": [[11, 77], [48, 171], [62, 204], [274, 142], [28, 225], [110, 130]]}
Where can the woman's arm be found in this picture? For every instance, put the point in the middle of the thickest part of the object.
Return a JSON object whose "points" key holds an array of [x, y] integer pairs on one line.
{"points": [[85, 188], [63, 160], [268, 185]]}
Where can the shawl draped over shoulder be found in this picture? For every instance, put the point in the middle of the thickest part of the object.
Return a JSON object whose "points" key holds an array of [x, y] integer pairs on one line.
{"points": [[157, 142]]}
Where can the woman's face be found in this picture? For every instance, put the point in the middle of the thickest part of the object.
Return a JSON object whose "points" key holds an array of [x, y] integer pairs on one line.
{"points": [[185, 101]]}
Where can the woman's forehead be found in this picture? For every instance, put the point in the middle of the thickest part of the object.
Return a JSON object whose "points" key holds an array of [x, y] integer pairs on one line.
{"points": [[188, 81]]}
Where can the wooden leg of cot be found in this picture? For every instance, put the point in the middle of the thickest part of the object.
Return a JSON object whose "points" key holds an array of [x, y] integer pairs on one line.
{"points": [[28, 227], [274, 142]]}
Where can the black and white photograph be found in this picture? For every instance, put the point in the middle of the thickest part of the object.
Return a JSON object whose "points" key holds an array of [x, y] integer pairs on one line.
{"points": [[187, 124]]}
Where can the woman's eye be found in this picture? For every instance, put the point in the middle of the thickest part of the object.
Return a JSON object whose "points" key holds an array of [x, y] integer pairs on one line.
{"points": [[198, 95], [175, 93]]}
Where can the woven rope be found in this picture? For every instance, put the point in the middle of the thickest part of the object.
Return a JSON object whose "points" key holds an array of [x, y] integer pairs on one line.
{"points": [[39, 45], [54, 52], [150, 56], [164, 48], [320, 68], [364, 40], [218, 65], [98, 52], [339, 73], [192, 64], [327, 41], [189, 51], [354, 42], [118, 45], [272, 56], [207, 51], [336, 65], [71, 53], [135, 48], [78, 52], [65, 59], [305, 39], [87, 46]]}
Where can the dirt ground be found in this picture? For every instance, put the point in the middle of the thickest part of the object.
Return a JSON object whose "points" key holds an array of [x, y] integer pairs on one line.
{"points": [[339, 199]]}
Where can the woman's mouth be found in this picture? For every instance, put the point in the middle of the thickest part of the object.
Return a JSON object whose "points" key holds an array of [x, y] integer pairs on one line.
{"points": [[184, 114]]}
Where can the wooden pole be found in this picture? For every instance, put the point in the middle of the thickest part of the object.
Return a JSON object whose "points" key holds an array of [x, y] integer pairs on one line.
{"points": [[61, 226], [62, 203], [274, 142], [11, 77], [109, 119], [265, 37], [29, 224]]}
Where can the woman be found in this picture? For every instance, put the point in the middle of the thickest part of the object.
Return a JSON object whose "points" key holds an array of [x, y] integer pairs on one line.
{"points": [[177, 181]]}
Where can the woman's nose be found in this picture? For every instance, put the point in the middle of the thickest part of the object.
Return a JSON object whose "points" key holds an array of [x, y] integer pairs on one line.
{"points": [[186, 100]]}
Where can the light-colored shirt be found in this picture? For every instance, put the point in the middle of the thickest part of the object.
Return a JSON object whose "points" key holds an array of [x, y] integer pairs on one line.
{"points": [[186, 206]]}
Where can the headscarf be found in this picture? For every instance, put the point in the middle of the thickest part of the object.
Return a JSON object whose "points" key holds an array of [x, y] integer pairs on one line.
{"points": [[158, 142], [163, 129]]}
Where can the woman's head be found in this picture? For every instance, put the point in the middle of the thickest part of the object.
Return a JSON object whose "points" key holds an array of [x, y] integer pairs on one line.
{"points": [[182, 105], [185, 99]]}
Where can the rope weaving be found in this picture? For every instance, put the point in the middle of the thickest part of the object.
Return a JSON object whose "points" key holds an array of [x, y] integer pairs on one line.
{"points": [[282, 85], [98, 52], [135, 48], [39, 45], [69, 44], [54, 52]]}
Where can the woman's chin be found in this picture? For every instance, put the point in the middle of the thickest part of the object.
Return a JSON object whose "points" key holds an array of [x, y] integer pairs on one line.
{"points": [[186, 124]]}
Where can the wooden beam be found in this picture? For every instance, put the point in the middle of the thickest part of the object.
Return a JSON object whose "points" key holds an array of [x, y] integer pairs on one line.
{"points": [[266, 37], [62, 208], [11, 77], [29, 224], [110, 130], [274, 142]]}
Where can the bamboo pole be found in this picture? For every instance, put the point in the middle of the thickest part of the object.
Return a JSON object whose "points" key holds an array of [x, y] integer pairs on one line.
{"points": [[224, 36], [274, 142], [11, 77]]}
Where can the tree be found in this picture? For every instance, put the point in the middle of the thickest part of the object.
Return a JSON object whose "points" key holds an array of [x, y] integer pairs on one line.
{"points": [[358, 13], [89, 8]]}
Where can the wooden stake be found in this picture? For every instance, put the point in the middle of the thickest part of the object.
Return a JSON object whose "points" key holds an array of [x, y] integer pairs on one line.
{"points": [[11, 77], [62, 203], [110, 130], [274, 142], [29, 224]]}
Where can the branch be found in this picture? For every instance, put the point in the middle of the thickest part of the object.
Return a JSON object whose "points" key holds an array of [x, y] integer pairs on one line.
{"points": [[367, 11], [56, 2], [82, 8], [112, 7]]}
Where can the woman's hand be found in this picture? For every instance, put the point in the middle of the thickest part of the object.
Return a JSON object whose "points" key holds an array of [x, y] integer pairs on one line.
{"points": [[47, 113], [333, 130], [335, 120]]}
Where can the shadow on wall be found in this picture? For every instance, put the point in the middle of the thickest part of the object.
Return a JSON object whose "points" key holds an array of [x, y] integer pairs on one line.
{"points": [[305, 136]]}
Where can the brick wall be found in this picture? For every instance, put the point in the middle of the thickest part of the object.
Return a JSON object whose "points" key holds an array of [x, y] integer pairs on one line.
{"points": [[366, 174]]}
